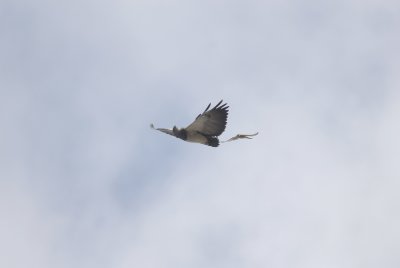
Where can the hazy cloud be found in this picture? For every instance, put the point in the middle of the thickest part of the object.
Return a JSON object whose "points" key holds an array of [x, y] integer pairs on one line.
{"points": [[84, 182]]}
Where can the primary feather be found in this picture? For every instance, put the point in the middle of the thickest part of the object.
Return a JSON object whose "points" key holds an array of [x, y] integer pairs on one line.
{"points": [[211, 122]]}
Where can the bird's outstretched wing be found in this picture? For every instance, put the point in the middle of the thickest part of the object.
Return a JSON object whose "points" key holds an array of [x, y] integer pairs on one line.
{"points": [[165, 130], [211, 122], [242, 136]]}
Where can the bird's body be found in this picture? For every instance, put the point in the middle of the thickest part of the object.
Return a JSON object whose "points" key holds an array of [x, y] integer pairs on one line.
{"points": [[198, 138], [205, 129]]}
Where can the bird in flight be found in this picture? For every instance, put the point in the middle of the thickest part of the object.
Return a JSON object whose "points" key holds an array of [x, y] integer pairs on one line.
{"points": [[206, 128]]}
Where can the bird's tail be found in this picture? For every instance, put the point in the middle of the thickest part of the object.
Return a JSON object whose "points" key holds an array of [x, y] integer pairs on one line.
{"points": [[212, 141]]}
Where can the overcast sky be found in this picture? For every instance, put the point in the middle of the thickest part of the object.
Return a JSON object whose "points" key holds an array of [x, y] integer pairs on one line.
{"points": [[84, 181]]}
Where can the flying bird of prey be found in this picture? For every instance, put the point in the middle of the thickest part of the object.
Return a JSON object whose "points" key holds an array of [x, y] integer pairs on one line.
{"points": [[206, 128]]}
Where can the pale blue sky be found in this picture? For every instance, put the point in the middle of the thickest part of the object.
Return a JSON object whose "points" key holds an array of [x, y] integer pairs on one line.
{"points": [[84, 181]]}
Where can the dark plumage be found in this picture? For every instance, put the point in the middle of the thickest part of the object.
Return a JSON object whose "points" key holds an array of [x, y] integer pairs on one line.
{"points": [[206, 128]]}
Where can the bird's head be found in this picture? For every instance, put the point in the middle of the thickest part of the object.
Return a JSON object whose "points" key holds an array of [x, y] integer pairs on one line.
{"points": [[179, 133], [175, 130]]}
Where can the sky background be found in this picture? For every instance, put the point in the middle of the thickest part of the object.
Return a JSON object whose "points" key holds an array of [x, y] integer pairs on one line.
{"points": [[84, 181]]}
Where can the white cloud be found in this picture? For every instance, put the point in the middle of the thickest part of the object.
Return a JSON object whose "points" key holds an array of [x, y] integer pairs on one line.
{"points": [[85, 182]]}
